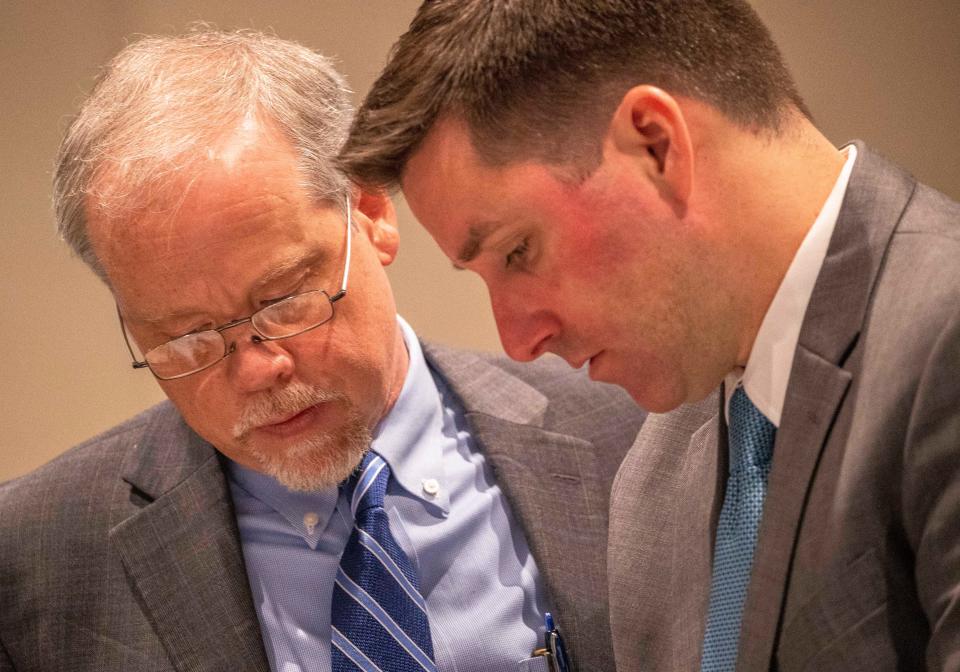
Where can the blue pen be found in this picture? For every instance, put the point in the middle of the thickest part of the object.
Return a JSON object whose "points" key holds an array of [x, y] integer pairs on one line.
{"points": [[553, 642]]}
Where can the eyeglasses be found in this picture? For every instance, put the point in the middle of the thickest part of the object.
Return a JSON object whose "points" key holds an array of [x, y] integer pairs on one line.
{"points": [[291, 316]]}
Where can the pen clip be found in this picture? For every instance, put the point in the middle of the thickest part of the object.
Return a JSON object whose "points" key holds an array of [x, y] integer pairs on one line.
{"points": [[553, 643]]}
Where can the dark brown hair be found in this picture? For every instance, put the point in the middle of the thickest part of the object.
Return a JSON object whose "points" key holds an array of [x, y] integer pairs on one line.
{"points": [[540, 79]]}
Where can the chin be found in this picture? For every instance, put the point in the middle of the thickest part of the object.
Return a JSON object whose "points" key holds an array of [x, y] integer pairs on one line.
{"points": [[654, 404], [317, 462], [656, 398], [318, 448]]}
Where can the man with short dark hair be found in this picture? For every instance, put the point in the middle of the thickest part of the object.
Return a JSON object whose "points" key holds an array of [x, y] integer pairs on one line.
{"points": [[642, 190], [321, 491]]}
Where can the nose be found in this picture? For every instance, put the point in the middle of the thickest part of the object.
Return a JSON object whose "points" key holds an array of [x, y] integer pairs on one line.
{"points": [[526, 329], [256, 365]]}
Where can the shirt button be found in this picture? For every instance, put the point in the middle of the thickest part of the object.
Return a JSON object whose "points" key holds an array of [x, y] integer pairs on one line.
{"points": [[310, 521], [431, 486]]}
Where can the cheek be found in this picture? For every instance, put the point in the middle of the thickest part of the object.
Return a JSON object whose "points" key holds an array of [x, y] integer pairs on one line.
{"points": [[206, 404], [591, 257], [354, 351]]}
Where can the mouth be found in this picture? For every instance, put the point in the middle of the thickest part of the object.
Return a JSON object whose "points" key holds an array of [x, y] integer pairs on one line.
{"points": [[578, 363], [291, 412], [296, 422], [593, 365]]}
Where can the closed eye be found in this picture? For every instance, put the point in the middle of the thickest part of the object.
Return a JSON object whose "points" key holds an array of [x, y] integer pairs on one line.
{"points": [[269, 302], [517, 254], [305, 283]]}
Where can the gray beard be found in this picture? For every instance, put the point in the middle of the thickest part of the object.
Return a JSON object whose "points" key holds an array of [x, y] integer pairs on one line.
{"points": [[317, 462]]}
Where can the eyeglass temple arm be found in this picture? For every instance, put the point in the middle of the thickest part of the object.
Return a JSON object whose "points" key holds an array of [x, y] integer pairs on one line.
{"points": [[135, 363], [346, 266]]}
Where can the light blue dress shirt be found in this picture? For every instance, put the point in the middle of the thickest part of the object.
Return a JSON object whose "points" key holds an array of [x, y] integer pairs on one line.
{"points": [[484, 595]]}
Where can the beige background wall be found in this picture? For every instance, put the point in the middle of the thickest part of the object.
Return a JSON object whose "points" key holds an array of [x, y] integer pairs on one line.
{"points": [[887, 71]]}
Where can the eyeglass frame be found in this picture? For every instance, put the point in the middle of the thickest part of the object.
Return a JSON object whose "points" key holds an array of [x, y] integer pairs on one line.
{"points": [[257, 337]]}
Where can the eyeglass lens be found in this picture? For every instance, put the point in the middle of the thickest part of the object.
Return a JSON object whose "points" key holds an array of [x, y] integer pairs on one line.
{"points": [[194, 352]]}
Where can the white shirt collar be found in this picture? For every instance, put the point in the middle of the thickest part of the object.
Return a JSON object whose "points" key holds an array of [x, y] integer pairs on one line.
{"points": [[767, 372]]}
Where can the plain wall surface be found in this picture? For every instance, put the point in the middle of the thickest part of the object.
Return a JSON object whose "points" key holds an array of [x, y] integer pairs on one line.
{"points": [[885, 71]]}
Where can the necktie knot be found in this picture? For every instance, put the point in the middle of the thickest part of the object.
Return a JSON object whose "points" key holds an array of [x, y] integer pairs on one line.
{"points": [[378, 615], [367, 486], [751, 435]]}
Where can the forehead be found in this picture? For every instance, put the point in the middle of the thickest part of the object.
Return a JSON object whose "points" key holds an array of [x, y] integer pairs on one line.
{"points": [[231, 219], [447, 174], [455, 194], [447, 158]]}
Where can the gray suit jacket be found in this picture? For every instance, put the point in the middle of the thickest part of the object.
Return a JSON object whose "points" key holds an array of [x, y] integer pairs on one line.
{"points": [[123, 553], [858, 562]]}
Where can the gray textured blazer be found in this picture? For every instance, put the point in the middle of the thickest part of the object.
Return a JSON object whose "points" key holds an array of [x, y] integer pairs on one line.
{"points": [[858, 562], [123, 553]]}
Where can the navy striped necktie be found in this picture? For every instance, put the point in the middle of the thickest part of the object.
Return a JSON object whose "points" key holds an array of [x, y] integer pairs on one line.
{"points": [[379, 617]]}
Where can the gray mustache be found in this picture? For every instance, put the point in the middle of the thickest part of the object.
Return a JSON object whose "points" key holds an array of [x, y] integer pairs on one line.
{"points": [[291, 400]]}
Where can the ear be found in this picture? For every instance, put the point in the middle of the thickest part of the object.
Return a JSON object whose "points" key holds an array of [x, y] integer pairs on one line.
{"points": [[649, 128], [376, 216]]}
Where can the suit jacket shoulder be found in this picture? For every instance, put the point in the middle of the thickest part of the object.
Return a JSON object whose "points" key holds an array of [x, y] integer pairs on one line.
{"points": [[123, 554], [560, 399]]}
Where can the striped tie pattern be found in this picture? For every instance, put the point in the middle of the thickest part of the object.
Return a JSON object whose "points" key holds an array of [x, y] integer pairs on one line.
{"points": [[751, 437], [379, 617]]}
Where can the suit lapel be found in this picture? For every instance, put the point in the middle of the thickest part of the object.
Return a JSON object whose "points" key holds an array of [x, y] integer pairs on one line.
{"points": [[704, 473], [553, 481], [661, 508], [817, 387], [875, 199], [182, 552]]}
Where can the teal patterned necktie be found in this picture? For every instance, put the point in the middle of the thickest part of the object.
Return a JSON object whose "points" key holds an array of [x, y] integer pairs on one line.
{"points": [[751, 437]]}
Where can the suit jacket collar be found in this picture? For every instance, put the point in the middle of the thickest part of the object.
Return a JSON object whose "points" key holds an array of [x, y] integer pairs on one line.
{"points": [[821, 373], [536, 468], [876, 197], [181, 550], [168, 453], [487, 389]]}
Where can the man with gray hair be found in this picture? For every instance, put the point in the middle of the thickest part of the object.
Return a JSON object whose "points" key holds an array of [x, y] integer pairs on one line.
{"points": [[321, 491]]}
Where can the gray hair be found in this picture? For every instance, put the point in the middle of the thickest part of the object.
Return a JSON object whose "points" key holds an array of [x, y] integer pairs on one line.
{"points": [[161, 103]]}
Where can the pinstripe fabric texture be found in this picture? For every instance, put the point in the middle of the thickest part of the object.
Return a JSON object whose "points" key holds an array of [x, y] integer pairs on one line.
{"points": [[751, 449], [379, 617]]}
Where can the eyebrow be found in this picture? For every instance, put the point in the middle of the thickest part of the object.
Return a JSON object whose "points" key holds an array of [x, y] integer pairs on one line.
{"points": [[284, 268], [476, 236], [287, 266], [157, 321]]}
